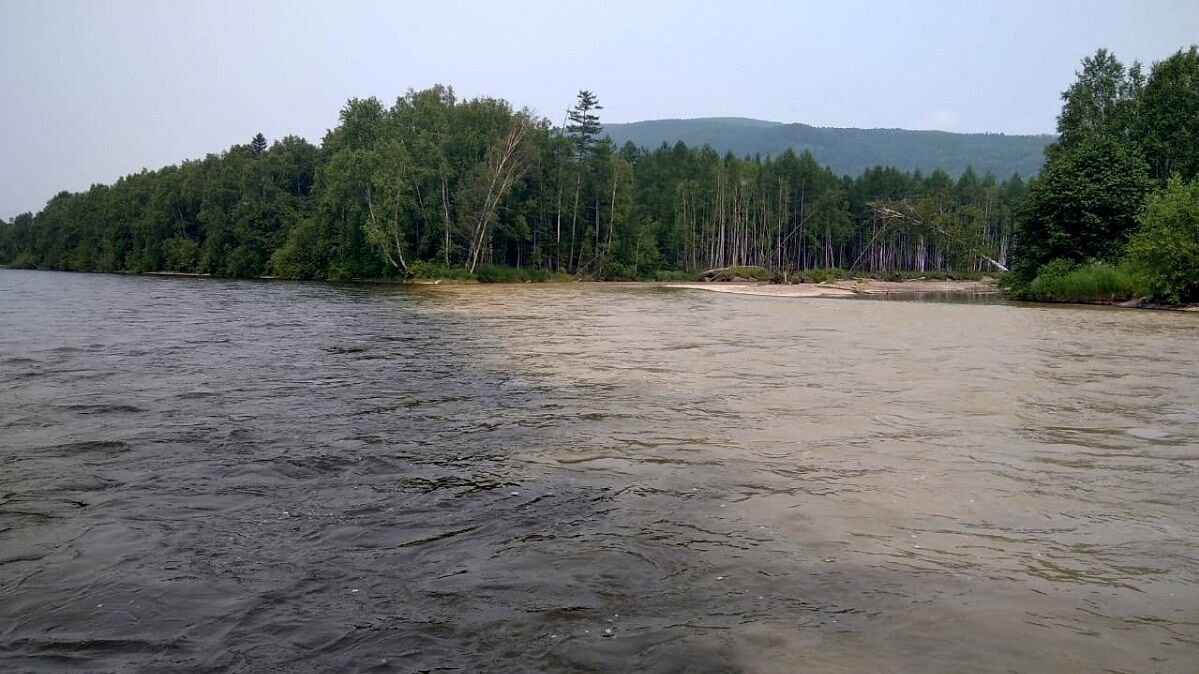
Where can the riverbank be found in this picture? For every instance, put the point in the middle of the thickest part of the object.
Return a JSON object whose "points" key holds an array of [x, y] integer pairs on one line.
{"points": [[847, 288], [839, 288]]}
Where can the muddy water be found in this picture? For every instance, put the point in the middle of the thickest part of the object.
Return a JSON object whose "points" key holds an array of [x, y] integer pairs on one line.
{"points": [[200, 475]]}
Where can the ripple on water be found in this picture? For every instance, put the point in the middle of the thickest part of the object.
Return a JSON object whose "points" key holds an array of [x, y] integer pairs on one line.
{"points": [[214, 475]]}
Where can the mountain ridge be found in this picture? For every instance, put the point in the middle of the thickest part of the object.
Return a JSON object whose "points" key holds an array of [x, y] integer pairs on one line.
{"points": [[846, 150]]}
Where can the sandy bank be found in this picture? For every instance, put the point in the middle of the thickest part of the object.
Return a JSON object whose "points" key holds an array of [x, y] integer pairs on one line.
{"points": [[844, 288]]}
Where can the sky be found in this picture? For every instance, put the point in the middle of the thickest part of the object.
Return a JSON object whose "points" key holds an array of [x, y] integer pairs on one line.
{"points": [[96, 90]]}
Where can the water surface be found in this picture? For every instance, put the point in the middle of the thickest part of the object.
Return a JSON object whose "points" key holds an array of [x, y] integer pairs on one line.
{"points": [[205, 475]]}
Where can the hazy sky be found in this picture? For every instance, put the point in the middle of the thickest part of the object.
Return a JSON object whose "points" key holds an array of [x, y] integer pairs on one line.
{"points": [[95, 90]]}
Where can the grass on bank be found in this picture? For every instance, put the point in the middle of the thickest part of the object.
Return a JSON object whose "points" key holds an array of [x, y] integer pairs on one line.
{"points": [[1066, 281]]}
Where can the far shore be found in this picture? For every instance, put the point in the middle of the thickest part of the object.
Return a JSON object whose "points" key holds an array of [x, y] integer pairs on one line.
{"points": [[846, 288], [864, 287]]}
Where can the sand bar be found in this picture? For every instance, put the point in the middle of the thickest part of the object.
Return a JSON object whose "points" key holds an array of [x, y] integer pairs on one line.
{"points": [[845, 288]]}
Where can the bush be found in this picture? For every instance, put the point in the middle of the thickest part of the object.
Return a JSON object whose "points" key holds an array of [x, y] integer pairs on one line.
{"points": [[818, 275], [300, 256], [179, 254], [501, 274], [1065, 281], [666, 275], [741, 273], [1083, 206], [1164, 252], [245, 261], [419, 269], [619, 271], [23, 260]]}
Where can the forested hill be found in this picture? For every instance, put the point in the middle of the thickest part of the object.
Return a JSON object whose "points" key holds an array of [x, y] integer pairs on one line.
{"points": [[846, 151]]}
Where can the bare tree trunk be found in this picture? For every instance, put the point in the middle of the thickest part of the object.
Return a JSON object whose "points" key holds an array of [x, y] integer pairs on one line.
{"points": [[445, 208], [505, 167]]}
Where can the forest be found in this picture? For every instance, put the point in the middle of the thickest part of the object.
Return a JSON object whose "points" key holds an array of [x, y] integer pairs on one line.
{"points": [[434, 185], [437, 186]]}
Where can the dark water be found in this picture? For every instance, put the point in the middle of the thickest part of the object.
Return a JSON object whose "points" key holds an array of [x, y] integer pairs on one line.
{"points": [[200, 475]]}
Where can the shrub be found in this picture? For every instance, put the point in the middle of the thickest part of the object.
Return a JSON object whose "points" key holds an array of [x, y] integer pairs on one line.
{"points": [[420, 269], [752, 273], [1164, 252], [1065, 281], [818, 275], [23, 260], [1083, 206], [619, 271], [501, 274], [300, 256], [179, 254], [245, 261], [667, 275]]}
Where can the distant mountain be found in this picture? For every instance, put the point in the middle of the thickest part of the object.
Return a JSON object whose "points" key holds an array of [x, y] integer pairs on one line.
{"points": [[846, 151]]}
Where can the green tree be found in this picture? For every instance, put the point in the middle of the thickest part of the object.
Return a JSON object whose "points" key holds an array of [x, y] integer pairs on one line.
{"points": [[584, 122], [1168, 123], [1165, 250], [1102, 101], [1083, 205]]}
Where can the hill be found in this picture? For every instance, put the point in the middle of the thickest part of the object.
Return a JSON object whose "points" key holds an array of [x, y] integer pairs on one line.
{"points": [[847, 151]]}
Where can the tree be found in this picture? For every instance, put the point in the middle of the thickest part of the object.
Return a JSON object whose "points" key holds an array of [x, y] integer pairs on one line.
{"points": [[1168, 123], [584, 126], [471, 183], [1165, 250], [386, 202], [506, 162], [1083, 205], [1102, 101]]}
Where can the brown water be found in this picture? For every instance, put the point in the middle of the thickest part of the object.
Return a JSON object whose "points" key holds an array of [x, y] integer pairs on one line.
{"points": [[202, 475]]}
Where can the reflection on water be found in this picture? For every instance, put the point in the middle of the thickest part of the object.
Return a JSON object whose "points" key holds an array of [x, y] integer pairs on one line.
{"points": [[210, 475]]}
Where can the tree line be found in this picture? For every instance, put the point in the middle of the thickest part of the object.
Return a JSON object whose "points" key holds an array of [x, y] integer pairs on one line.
{"points": [[434, 184], [1115, 211]]}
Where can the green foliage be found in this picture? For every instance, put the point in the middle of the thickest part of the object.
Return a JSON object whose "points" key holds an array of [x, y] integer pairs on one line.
{"points": [[826, 275], [8, 247], [436, 270], [245, 261], [1164, 252], [393, 188], [1083, 205], [584, 126], [1088, 200], [1067, 281], [669, 275], [751, 273], [500, 274], [180, 254], [23, 260], [302, 255], [434, 184], [1101, 102], [1168, 117]]}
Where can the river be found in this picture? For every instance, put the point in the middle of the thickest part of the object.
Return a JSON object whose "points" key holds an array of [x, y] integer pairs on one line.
{"points": [[210, 475]]}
